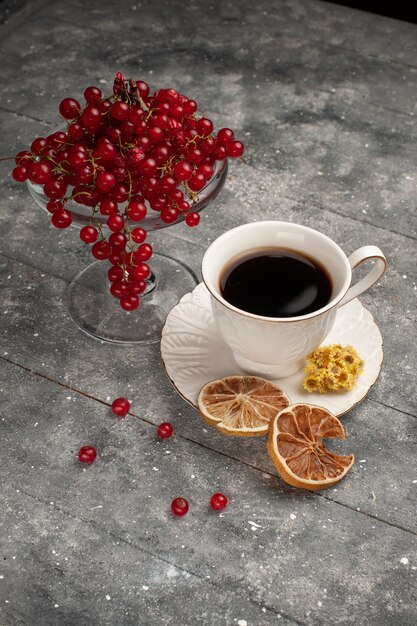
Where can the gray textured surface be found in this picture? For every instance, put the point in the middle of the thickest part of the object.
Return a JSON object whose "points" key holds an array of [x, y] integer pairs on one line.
{"points": [[325, 99]]}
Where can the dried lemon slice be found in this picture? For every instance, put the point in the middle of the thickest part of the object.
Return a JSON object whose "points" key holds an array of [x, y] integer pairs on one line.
{"points": [[296, 448], [241, 405]]}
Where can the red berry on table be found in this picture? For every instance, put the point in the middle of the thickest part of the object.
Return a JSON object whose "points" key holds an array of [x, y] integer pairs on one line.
{"points": [[165, 430], [87, 455], [179, 507], [120, 407], [225, 136], [218, 502]]}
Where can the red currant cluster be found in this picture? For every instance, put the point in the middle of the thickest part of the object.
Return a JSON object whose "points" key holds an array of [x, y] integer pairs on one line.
{"points": [[124, 155]]}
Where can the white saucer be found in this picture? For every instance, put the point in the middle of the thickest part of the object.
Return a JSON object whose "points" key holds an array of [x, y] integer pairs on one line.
{"points": [[194, 353]]}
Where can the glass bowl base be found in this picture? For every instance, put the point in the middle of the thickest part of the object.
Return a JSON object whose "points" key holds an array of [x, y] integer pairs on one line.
{"points": [[99, 314]]}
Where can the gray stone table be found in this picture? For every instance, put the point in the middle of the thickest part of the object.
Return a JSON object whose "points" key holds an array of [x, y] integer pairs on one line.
{"points": [[325, 98]]}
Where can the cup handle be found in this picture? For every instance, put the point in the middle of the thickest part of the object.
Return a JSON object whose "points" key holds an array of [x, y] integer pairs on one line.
{"points": [[366, 253]]}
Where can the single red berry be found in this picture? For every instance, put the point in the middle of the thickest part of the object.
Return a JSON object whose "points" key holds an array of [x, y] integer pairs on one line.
{"points": [[118, 240], [107, 206], [235, 149], [88, 234], [136, 210], [144, 252], [119, 110], [182, 170], [61, 218], [115, 274], [192, 219], [138, 235], [141, 271], [130, 302], [119, 289], [115, 222], [197, 182], [69, 108], [179, 507], [38, 145], [54, 205], [136, 287], [55, 188], [91, 117], [165, 430], [101, 250], [87, 454], [120, 407], [218, 502], [105, 181], [225, 136], [204, 126], [92, 94], [20, 174]]}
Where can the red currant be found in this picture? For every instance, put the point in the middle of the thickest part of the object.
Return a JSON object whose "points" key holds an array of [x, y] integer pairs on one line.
{"points": [[192, 219], [218, 502], [87, 455], [182, 170], [88, 234], [105, 181], [225, 136], [136, 210], [101, 250], [196, 182], [144, 252], [138, 235], [130, 302], [92, 94], [235, 149], [20, 173], [119, 111], [120, 407], [179, 507], [69, 108], [141, 271], [115, 222], [119, 289], [61, 218], [204, 126], [165, 430], [115, 274]]}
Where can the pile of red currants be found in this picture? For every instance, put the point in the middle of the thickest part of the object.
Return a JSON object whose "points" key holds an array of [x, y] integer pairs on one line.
{"points": [[125, 155]]}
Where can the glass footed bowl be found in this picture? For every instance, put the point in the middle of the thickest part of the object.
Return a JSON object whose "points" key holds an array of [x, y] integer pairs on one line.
{"points": [[90, 303]]}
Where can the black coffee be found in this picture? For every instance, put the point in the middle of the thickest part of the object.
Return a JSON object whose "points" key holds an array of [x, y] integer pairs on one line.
{"points": [[276, 282]]}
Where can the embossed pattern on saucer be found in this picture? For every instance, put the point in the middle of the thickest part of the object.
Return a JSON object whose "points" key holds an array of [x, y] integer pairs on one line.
{"points": [[194, 353]]}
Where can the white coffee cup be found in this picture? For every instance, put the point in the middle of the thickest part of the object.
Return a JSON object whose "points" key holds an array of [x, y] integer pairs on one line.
{"points": [[276, 347]]}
